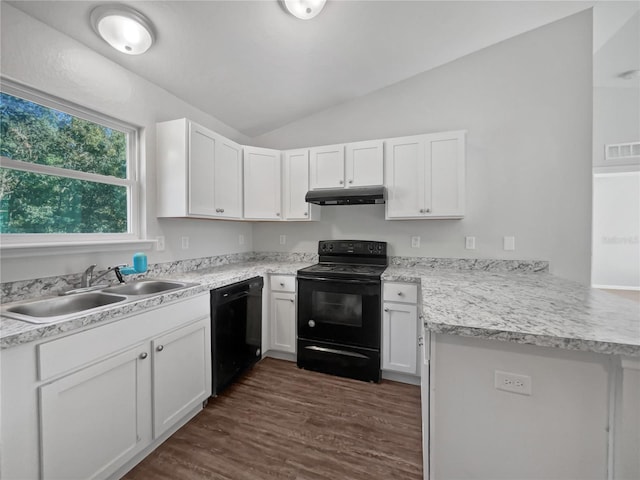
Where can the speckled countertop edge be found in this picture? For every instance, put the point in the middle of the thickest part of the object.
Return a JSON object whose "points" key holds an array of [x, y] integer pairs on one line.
{"points": [[528, 308]]}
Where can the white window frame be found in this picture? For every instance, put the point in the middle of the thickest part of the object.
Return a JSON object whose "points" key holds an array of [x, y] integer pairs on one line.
{"points": [[28, 244]]}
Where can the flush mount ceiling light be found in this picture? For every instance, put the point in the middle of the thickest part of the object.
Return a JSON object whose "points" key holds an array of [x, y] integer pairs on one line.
{"points": [[124, 28], [303, 9]]}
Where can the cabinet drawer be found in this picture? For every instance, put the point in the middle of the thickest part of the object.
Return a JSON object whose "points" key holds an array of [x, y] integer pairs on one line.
{"points": [[78, 349], [283, 283], [400, 292]]}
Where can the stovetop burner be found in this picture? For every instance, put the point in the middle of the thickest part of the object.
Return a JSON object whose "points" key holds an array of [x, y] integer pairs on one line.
{"points": [[349, 258]]}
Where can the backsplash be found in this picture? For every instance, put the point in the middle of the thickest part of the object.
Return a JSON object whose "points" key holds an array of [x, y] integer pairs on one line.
{"points": [[25, 289]]}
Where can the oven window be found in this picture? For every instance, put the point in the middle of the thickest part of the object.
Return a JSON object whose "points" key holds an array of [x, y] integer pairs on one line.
{"points": [[337, 308]]}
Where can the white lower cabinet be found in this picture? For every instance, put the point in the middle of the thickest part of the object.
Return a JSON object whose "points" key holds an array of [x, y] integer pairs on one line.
{"points": [[283, 313], [96, 419], [400, 328], [102, 396]]}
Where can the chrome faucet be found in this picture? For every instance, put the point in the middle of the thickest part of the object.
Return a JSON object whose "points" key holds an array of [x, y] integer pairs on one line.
{"points": [[88, 279]]}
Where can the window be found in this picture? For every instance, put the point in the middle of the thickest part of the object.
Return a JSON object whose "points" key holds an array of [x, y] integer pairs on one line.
{"points": [[66, 174]]}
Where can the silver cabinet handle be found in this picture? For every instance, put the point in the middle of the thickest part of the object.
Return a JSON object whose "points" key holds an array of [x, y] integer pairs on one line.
{"points": [[222, 210], [306, 214], [428, 210], [277, 214], [400, 294], [143, 355], [291, 300], [281, 284], [386, 309], [341, 182], [420, 341], [422, 210], [311, 323], [350, 181], [160, 348]]}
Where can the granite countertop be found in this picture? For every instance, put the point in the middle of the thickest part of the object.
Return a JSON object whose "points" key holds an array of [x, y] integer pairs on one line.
{"points": [[530, 308], [15, 332]]}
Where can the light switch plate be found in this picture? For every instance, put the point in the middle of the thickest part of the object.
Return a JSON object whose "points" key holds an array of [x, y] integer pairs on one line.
{"points": [[470, 243], [160, 243], [185, 243], [241, 239], [415, 242], [283, 239]]}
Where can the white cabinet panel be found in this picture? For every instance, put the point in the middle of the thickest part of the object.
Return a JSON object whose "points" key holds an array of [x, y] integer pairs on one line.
{"points": [[425, 176], [228, 179], [262, 184], [283, 322], [364, 165], [296, 185], [181, 374], [202, 155], [400, 338], [98, 418], [327, 167]]}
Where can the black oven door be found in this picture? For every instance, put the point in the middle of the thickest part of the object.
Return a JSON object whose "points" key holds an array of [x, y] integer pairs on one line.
{"points": [[344, 311]]}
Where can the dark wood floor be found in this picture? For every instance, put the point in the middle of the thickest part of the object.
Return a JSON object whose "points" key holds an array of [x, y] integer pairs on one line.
{"points": [[279, 422]]}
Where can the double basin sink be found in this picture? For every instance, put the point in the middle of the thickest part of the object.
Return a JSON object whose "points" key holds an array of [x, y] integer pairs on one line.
{"points": [[67, 306]]}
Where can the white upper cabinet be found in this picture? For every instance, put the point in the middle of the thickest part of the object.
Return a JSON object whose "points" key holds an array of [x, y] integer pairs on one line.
{"points": [[262, 183], [326, 167], [343, 166], [425, 176], [364, 166], [199, 172], [296, 185]]}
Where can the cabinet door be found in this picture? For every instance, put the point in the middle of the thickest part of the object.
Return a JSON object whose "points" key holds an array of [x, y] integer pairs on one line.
{"points": [[202, 157], [364, 164], [181, 373], [327, 167], [445, 157], [262, 184], [283, 322], [96, 419], [228, 179], [400, 338], [296, 185], [405, 177]]}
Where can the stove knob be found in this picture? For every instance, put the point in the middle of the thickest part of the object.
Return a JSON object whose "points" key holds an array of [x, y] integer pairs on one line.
{"points": [[312, 323]]}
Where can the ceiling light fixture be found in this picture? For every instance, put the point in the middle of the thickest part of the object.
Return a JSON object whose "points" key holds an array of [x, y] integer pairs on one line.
{"points": [[304, 9], [124, 28]]}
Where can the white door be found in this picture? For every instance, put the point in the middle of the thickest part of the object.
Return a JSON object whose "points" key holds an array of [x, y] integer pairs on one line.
{"points": [[400, 338], [96, 419], [283, 322], [327, 167], [262, 184], [202, 157], [296, 185], [181, 373], [364, 165], [405, 177], [228, 179], [445, 181]]}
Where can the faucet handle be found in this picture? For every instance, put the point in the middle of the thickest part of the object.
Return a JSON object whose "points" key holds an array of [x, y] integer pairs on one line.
{"points": [[87, 276]]}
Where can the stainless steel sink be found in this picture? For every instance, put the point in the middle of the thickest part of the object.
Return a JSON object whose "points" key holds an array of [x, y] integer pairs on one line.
{"points": [[81, 301], [145, 287], [52, 309]]}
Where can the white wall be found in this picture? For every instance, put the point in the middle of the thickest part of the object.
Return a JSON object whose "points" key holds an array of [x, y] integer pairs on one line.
{"points": [[41, 57], [526, 104]]}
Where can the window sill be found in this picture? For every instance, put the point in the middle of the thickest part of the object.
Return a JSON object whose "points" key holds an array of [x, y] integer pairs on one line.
{"points": [[71, 248]]}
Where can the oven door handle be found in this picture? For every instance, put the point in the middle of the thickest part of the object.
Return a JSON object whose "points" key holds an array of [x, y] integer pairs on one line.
{"points": [[335, 351], [340, 280]]}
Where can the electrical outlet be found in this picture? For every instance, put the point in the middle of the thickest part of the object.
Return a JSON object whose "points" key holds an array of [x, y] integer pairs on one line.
{"points": [[160, 243], [509, 243], [415, 242], [513, 382], [240, 239], [470, 243], [185, 243], [283, 239]]}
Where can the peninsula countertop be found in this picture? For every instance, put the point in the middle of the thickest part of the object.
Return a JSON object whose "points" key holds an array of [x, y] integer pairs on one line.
{"points": [[532, 308]]}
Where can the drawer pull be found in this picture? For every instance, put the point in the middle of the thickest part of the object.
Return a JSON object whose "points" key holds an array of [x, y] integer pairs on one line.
{"points": [[291, 300], [160, 348], [143, 355], [386, 309], [400, 294]]}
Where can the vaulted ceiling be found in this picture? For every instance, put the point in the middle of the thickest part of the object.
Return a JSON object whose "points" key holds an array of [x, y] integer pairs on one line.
{"points": [[257, 68]]}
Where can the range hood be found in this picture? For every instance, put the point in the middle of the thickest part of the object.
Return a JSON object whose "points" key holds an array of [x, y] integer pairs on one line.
{"points": [[347, 196]]}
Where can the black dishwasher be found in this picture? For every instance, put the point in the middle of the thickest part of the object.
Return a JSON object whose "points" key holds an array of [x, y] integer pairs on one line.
{"points": [[236, 330]]}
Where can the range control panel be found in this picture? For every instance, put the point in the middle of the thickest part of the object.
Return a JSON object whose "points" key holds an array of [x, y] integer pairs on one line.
{"points": [[352, 247]]}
